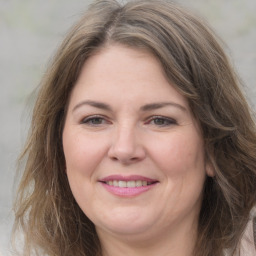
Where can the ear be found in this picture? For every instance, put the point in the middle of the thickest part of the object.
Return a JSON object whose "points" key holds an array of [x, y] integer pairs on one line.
{"points": [[209, 169], [209, 166]]}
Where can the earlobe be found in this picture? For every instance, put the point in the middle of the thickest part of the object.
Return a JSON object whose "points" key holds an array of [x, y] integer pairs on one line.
{"points": [[209, 169], [209, 164]]}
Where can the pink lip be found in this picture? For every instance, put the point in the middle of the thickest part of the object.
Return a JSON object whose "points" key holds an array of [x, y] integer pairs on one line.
{"points": [[127, 192], [127, 178]]}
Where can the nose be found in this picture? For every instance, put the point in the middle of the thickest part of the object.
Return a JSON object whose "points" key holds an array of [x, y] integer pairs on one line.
{"points": [[126, 147]]}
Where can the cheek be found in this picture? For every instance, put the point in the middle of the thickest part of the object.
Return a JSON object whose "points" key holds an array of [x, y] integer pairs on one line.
{"points": [[82, 153], [180, 154]]}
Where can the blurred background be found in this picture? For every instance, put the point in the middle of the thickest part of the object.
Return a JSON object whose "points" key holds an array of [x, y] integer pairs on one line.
{"points": [[30, 32]]}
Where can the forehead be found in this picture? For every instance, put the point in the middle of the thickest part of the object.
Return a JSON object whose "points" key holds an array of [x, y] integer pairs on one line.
{"points": [[121, 71]]}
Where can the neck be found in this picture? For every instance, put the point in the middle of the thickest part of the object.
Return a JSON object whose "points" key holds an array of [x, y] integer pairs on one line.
{"points": [[177, 242]]}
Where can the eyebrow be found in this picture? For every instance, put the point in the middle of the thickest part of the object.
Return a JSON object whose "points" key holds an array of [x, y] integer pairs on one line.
{"points": [[154, 106], [95, 104], [147, 107]]}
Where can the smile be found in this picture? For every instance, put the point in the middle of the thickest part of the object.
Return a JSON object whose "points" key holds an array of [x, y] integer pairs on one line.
{"points": [[128, 184]]}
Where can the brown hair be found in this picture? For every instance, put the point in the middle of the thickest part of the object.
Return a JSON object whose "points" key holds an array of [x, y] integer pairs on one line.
{"points": [[194, 61]]}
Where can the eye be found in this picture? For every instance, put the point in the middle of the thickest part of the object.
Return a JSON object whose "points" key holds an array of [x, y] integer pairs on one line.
{"points": [[161, 121], [95, 121]]}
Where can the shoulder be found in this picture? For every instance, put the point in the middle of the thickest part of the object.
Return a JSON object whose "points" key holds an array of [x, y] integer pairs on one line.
{"points": [[247, 245], [248, 242], [253, 216]]}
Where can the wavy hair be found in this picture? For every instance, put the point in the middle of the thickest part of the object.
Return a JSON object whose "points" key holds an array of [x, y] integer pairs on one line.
{"points": [[194, 61]]}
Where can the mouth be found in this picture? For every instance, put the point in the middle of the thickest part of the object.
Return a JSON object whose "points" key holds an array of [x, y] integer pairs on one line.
{"points": [[127, 186]]}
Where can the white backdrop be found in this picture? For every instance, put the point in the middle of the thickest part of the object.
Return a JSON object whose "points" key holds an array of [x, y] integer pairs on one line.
{"points": [[30, 31]]}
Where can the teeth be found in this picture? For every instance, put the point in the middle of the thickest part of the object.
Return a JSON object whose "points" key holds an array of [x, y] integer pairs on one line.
{"points": [[122, 184], [128, 184], [138, 183]]}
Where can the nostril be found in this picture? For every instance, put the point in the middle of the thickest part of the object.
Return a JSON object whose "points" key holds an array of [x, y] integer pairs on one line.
{"points": [[124, 159], [114, 158], [126, 151]]}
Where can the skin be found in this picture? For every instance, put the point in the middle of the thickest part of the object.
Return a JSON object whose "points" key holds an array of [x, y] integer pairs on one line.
{"points": [[161, 142]]}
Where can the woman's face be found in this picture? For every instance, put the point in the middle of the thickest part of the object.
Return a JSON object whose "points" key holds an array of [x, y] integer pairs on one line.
{"points": [[134, 154]]}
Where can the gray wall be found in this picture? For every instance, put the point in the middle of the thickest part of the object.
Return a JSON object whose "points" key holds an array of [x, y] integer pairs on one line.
{"points": [[30, 31]]}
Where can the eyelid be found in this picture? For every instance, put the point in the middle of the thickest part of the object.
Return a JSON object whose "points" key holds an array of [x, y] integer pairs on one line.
{"points": [[169, 119], [85, 120]]}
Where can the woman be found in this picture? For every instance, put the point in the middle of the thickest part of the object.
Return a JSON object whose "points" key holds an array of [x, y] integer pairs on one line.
{"points": [[141, 141]]}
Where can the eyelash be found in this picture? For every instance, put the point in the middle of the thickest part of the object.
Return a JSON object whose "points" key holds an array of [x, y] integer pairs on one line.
{"points": [[166, 121], [89, 120]]}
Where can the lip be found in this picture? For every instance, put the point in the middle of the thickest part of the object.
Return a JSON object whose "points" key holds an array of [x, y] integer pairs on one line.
{"points": [[127, 191], [127, 178]]}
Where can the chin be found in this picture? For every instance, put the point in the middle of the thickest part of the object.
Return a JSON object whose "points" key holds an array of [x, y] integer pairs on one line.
{"points": [[125, 223]]}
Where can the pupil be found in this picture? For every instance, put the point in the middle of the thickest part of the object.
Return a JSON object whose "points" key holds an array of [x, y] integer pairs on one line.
{"points": [[159, 121], [96, 120]]}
